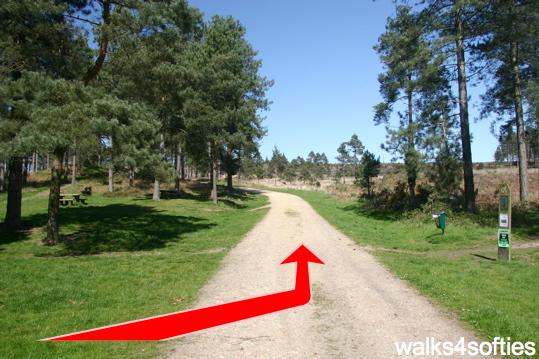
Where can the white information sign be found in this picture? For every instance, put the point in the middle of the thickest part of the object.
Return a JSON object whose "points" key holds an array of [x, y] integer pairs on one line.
{"points": [[504, 220]]}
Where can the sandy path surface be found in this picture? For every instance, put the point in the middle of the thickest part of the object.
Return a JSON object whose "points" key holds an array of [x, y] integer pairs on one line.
{"points": [[358, 309]]}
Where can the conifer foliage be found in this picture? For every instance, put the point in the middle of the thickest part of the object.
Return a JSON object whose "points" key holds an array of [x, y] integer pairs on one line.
{"points": [[135, 86]]}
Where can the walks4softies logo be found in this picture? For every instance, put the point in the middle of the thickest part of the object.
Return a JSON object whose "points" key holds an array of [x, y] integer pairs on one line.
{"points": [[432, 347]]}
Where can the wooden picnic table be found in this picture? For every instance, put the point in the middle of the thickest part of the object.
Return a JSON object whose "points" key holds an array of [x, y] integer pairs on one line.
{"points": [[70, 198], [74, 195]]}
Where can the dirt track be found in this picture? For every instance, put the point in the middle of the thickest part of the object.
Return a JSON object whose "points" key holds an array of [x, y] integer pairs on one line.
{"points": [[358, 309]]}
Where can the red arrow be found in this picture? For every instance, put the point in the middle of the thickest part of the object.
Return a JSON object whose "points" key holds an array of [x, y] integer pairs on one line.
{"points": [[180, 323]]}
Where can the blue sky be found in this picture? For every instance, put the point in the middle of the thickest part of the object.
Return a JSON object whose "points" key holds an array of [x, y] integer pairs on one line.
{"points": [[321, 57]]}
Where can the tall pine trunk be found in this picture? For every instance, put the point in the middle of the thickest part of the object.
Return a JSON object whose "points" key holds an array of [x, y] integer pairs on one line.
{"points": [[182, 165], [469, 188], [156, 190], [411, 173], [14, 194], [111, 167], [229, 186], [131, 177], [213, 173], [66, 165], [2, 176], [111, 179], [57, 170], [228, 167], [74, 170], [25, 171], [156, 185], [214, 183], [34, 162], [178, 168], [519, 114]]}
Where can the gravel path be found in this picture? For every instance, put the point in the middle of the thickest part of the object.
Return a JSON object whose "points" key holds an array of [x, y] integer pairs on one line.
{"points": [[358, 309]]}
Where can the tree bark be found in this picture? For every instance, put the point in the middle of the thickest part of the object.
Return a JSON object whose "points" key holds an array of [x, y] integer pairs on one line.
{"points": [[14, 194], [111, 167], [74, 170], [182, 165], [94, 70], [53, 231], [178, 168], [156, 185], [131, 178], [25, 171], [519, 114], [411, 173], [156, 190], [469, 190], [229, 186], [214, 183], [111, 180], [213, 173], [34, 162], [66, 165], [2, 176]]}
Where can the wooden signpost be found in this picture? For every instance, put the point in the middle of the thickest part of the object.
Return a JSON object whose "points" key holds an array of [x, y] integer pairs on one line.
{"points": [[504, 224]]}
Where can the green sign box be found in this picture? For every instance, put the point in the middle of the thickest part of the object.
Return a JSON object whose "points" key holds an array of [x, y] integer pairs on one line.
{"points": [[503, 238]]}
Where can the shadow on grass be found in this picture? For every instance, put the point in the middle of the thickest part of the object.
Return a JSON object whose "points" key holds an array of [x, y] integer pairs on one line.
{"points": [[28, 225], [10, 236], [483, 257], [122, 228], [362, 208], [201, 193], [435, 238]]}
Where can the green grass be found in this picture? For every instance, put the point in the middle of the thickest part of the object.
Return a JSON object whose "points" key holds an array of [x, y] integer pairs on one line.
{"points": [[392, 230], [496, 299], [121, 259], [458, 270]]}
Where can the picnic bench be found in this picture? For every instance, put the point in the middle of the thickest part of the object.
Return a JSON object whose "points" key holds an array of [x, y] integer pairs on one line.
{"points": [[71, 198]]}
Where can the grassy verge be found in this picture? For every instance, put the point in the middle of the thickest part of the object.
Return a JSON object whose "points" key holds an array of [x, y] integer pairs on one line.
{"points": [[121, 259], [457, 270]]}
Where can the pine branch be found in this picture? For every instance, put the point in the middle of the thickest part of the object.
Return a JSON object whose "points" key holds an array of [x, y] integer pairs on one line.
{"points": [[82, 19]]}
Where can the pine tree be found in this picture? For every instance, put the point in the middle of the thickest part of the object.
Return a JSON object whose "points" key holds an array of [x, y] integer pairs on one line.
{"points": [[148, 65], [510, 46], [54, 99], [407, 58], [350, 155], [26, 46], [370, 167], [343, 158], [228, 93], [453, 23], [277, 164]]}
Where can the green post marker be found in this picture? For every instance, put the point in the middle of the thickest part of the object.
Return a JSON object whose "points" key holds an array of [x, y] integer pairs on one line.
{"points": [[504, 224]]}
